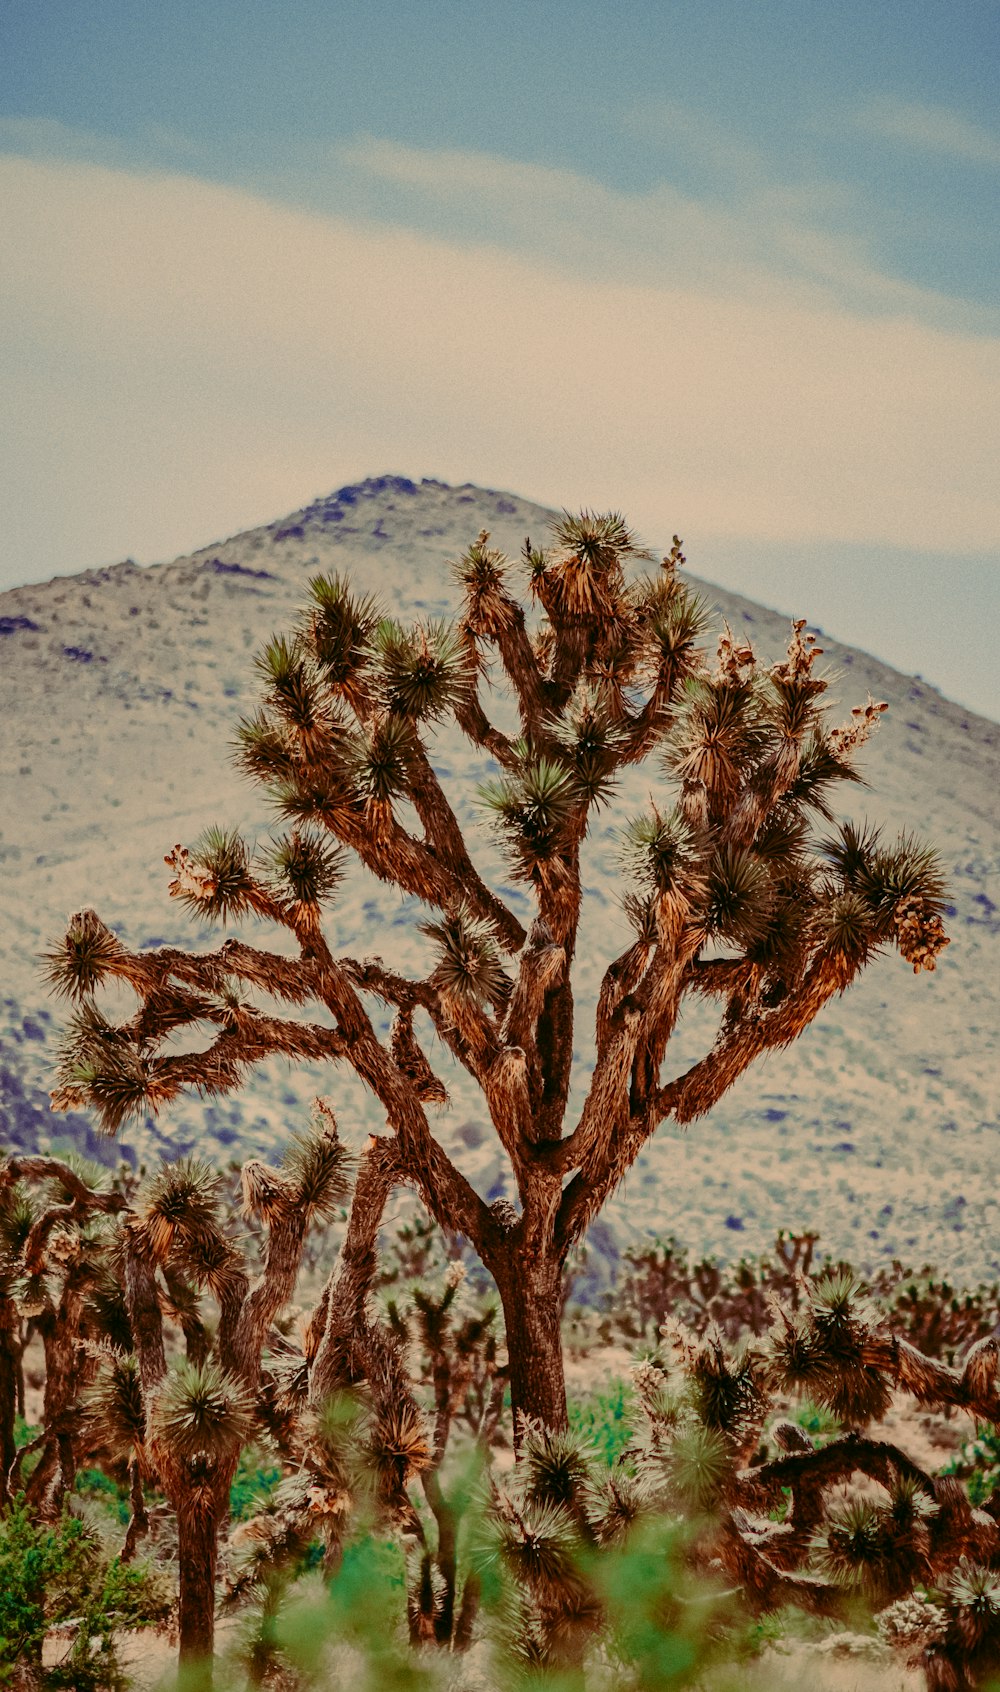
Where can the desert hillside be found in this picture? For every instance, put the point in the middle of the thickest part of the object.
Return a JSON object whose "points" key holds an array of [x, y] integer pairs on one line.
{"points": [[120, 691]]}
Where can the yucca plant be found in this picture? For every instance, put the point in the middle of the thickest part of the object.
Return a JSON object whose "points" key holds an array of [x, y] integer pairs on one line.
{"points": [[739, 887]]}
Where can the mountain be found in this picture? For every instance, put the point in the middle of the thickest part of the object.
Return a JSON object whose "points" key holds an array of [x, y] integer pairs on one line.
{"points": [[120, 691]]}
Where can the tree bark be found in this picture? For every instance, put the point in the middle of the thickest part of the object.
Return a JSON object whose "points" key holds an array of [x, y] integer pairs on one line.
{"points": [[10, 1357], [531, 1294], [198, 1546]]}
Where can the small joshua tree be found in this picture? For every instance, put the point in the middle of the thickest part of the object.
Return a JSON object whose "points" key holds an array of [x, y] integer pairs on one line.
{"points": [[111, 1283], [733, 895], [188, 1421], [56, 1281]]}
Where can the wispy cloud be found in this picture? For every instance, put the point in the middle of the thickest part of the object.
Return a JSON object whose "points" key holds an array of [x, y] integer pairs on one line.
{"points": [[184, 357], [768, 241], [931, 129]]}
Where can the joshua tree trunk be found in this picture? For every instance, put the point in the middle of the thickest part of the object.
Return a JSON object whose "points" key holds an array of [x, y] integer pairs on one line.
{"points": [[531, 1295], [197, 1543], [10, 1357]]}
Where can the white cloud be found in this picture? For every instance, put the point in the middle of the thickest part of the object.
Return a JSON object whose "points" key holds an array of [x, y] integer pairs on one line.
{"points": [[184, 359], [762, 239], [932, 129]]}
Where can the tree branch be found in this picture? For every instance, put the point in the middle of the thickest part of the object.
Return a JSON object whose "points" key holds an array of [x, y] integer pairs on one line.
{"points": [[445, 839], [698, 1089]]}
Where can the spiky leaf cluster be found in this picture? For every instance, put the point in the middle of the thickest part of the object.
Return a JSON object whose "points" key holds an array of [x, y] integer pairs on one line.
{"points": [[972, 1601], [824, 1352], [718, 739], [892, 893], [396, 1447], [423, 671], [304, 867], [203, 1413], [87, 954], [540, 1547], [117, 1406], [318, 1165], [592, 742], [180, 1221], [665, 855], [338, 631], [696, 1465], [879, 1548], [557, 1470], [218, 883], [533, 808], [18, 1213], [481, 572], [727, 1390], [468, 967], [102, 1066]]}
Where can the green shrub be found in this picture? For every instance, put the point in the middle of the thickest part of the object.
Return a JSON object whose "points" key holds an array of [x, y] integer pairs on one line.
{"points": [[978, 1464], [52, 1573], [257, 1475], [604, 1420], [95, 1484]]}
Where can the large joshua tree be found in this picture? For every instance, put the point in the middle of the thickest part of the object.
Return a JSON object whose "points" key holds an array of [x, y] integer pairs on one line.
{"points": [[739, 890]]}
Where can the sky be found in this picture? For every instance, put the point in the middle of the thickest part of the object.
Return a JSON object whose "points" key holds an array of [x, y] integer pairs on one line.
{"points": [[729, 267]]}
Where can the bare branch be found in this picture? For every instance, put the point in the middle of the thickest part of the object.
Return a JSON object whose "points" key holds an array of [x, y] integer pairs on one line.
{"points": [[696, 1091], [445, 839]]}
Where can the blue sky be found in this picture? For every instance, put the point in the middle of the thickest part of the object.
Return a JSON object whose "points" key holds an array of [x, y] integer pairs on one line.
{"points": [[731, 267]]}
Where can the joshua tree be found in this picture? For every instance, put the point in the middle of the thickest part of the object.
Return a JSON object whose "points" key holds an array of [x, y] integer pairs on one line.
{"points": [[55, 1280], [188, 1422], [108, 1279], [733, 895]]}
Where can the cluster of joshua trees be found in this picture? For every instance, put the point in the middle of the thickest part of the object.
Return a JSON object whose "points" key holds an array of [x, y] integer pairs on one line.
{"points": [[167, 1350]]}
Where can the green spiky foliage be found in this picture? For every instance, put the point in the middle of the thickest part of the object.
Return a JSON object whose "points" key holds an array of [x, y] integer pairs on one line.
{"points": [[318, 1165], [203, 1413], [306, 869], [423, 671], [727, 1390], [397, 1448], [118, 1408], [972, 1601], [739, 889], [556, 1471], [340, 627], [539, 1548], [220, 860], [468, 969], [534, 810], [85, 957], [662, 854], [180, 1222], [697, 1465]]}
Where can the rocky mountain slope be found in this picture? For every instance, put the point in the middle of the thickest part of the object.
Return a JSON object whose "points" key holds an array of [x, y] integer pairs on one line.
{"points": [[120, 691]]}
